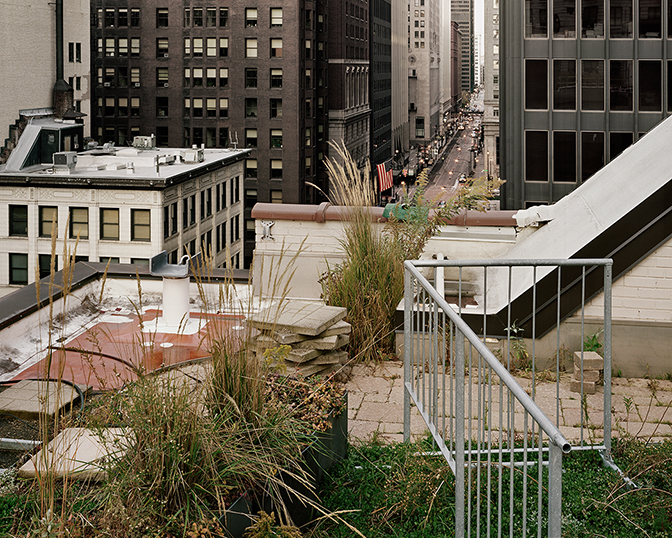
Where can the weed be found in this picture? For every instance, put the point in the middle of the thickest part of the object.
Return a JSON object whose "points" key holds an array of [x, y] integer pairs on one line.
{"points": [[592, 342], [266, 527]]}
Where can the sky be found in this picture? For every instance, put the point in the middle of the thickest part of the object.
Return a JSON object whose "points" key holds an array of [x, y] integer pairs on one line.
{"points": [[478, 19]]}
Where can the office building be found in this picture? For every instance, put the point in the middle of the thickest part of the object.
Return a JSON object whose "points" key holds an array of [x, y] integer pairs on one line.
{"points": [[462, 12], [581, 80]]}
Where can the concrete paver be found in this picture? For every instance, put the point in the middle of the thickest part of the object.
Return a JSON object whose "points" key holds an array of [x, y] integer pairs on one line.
{"points": [[376, 406]]}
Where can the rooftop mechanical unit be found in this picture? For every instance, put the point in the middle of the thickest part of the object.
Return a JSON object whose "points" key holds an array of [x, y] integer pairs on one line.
{"points": [[65, 161]]}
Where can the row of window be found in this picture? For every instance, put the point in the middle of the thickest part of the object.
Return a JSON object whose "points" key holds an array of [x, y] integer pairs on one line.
{"points": [[189, 206], [587, 19], [564, 144], [275, 165], [78, 222], [592, 82]]}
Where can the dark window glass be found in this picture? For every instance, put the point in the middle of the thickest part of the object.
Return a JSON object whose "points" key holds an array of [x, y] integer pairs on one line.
{"points": [[276, 78], [564, 84], [536, 84], [620, 13], [649, 19], [251, 77], [44, 261], [162, 106], [592, 153], [536, 156], [564, 156], [18, 220], [564, 19], [251, 107], [650, 86], [536, 18], [592, 18], [161, 17], [617, 143], [669, 85], [592, 84], [18, 269], [79, 222], [620, 85]]}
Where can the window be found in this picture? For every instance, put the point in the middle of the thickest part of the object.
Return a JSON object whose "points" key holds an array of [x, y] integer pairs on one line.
{"points": [[564, 19], [162, 76], [564, 84], [162, 136], [592, 84], [162, 106], [276, 78], [187, 46], [250, 17], [649, 19], [135, 76], [79, 222], [211, 16], [109, 46], [276, 108], [536, 155], [211, 78], [222, 200], [161, 17], [536, 14], [276, 138], [592, 153], [251, 107], [620, 85], [251, 168], [48, 221], [276, 16], [592, 18], [250, 138], [309, 108], [108, 259], [650, 86], [197, 49], [564, 152], [536, 84], [162, 47], [308, 136], [18, 220], [140, 225], [276, 168], [276, 48], [223, 47], [251, 77], [617, 143], [620, 24], [109, 224], [308, 166], [211, 46], [308, 48], [223, 77], [135, 106], [187, 17], [419, 127], [18, 269], [109, 17], [122, 17], [142, 262], [44, 261], [197, 111], [123, 47], [223, 17], [122, 106], [276, 197], [250, 48], [135, 17], [71, 52], [211, 110], [135, 47], [198, 16], [223, 107], [309, 78], [235, 190]]}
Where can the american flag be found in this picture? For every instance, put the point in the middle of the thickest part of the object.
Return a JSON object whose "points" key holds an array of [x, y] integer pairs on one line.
{"points": [[384, 177]]}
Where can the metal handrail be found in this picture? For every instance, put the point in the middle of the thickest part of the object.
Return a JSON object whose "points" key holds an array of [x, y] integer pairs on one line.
{"points": [[554, 434]]}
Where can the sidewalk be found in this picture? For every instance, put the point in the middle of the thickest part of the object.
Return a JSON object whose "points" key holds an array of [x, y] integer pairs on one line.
{"points": [[640, 407]]}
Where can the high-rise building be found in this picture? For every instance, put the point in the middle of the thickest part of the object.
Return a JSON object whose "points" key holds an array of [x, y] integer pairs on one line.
{"points": [[399, 78], [424, 91], [381, 80], [250, 75], [462, 12], [41, 44], [491, 87], [581, 81]]}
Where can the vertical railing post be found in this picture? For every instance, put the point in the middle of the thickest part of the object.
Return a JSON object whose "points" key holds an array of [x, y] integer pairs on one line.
{"points": [[554, 491], [408, 313], [459, 435], [607, 359]]}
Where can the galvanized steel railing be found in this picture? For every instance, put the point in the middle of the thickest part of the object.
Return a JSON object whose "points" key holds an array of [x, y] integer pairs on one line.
{"points": [[505, 452]]}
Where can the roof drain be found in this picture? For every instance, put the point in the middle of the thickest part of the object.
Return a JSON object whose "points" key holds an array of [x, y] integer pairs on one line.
{"points": [[175, 308]]}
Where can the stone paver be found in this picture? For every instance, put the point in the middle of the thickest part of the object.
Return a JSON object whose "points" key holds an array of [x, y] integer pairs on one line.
{"points": [[376, 406], [302, 317], [28, 399]]}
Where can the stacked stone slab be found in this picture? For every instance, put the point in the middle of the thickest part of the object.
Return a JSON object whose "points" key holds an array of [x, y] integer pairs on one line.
{"points": [[593, 372], [315, 333]]}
